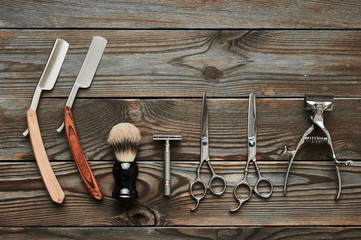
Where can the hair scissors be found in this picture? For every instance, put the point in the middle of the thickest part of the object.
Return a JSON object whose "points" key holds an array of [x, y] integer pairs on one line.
{"points": [[205, 158], [252, 149]]}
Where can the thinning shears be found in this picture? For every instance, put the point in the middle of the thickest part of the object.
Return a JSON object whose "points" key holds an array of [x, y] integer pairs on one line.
{"points": [[205, 158], [252, 149]]}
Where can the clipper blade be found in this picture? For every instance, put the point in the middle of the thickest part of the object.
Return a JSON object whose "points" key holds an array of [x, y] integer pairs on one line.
{"points": [[312, 100]]}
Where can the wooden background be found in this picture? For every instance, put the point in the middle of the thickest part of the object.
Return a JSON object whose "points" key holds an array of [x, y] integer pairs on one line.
{"points": [[160, 57]]}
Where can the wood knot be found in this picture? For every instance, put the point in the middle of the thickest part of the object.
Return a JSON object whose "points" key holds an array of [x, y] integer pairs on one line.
{"points": [[212, 73], [141, 216], [230, 234]]}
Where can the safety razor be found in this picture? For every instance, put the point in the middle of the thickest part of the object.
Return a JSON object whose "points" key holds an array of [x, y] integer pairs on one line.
{"points": [[167, 138]]}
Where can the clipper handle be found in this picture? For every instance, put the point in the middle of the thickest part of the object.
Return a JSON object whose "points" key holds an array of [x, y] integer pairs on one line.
{"points": [[125, 175]]}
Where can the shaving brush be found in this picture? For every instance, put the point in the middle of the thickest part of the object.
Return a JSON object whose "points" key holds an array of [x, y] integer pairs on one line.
{"points": [[125, 139]]}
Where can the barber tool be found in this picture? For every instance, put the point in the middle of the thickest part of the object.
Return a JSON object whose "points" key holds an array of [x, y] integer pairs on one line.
{"points": [[84, 79], [167, 138], [205, 158], [317, 104], [46, 82], [252, 150], [125, 139]]}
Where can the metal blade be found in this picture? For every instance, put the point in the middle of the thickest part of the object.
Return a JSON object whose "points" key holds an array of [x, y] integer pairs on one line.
{"points": [[53, 66], [50, 73], [204, 131], [87, 71], [91, 62], [252, 127]]}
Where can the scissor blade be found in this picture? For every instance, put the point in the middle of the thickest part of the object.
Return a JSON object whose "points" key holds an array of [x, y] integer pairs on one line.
{"points": [[252, 125], [204, 131]]}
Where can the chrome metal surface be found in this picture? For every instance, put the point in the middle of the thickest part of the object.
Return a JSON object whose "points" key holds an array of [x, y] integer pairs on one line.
{"points": [[167, 138], [205, 158], [87, 71], [317, 104], [50, 73], [252, 149]]}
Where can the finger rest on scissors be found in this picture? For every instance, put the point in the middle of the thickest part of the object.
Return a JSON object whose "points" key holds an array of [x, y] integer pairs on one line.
{"points": [[243, 183], [198, 181]]}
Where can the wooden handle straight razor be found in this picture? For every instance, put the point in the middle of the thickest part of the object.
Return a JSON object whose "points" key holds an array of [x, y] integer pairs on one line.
{"points": [[85, 172], [84, 80], [49, 179], [46, 82]]}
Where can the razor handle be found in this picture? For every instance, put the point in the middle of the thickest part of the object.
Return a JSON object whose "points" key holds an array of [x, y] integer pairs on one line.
{"points": [[80, 160], [125, 175], [47, 174]]}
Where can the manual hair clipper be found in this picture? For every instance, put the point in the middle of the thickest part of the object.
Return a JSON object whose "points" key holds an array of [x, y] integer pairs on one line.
{"points": [[317, 104]]}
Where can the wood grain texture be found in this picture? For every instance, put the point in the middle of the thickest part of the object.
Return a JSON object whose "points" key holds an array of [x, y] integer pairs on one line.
{"points": [[157, 64], [280, 122], [90, 182], [170, 233], [310, 200], [161, 56], [180, 14], [47, 174]]}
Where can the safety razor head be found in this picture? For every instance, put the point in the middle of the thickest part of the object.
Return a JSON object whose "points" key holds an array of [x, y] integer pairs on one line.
{"points": [[166, 136], [311, 101]]}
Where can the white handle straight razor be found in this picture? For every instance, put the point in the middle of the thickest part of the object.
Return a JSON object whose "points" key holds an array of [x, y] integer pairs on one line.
{"points": [[50, 73], [46, 82], [87, 71]]}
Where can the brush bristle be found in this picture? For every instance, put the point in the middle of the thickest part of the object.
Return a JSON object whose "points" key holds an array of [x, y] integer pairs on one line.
{"points": [[124, 139]]}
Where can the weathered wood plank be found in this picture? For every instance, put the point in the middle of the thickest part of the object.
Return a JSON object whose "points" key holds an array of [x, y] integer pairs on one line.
{"points": [[280, 122], [180, 14], [310, 200], [186, 63], [147, 233]]}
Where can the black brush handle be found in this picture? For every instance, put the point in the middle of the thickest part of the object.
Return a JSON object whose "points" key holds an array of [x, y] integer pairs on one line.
{"points": [[125, 175]]}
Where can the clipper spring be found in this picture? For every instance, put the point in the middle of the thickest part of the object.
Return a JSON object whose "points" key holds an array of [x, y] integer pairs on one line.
{"points": [[316, 140]]}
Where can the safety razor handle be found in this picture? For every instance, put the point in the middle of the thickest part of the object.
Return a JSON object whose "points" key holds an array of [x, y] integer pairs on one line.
{"points": [[167, 169], [47, 174], [80, 160]]}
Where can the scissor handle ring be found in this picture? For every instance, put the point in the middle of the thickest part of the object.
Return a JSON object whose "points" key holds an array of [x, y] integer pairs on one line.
{"points": [[198, 199], [198, 180], [241, 200], [214, 177], [244, 183], [263, 179]]}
